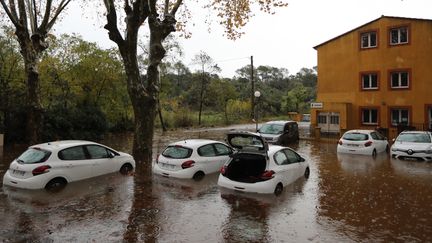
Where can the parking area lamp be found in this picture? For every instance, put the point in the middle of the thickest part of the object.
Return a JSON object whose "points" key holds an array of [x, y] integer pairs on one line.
{"points": [[257, 94]]}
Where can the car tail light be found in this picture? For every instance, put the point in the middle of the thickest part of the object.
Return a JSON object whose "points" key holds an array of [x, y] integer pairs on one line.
{"points": [[223, 170], [187, 164], [340, 142], [368, 143], [267, 175], [41, 169]]}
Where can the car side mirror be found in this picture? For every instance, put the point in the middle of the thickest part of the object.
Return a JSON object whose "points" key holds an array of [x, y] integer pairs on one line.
{"points": [[111, 155]]}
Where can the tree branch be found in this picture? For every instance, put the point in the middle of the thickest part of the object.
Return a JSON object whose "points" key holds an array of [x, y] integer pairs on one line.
{"points": [[11, 13], [32, 15], [22, 13], [111, 26], [47, 14], [176, 7], [60, 8]]}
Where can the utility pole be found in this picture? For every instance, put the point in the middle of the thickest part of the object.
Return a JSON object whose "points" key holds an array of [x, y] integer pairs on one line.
{"points": [[252, 90]]}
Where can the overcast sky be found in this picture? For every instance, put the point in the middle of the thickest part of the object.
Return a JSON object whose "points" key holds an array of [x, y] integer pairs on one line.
{"points": [[283, 40]]}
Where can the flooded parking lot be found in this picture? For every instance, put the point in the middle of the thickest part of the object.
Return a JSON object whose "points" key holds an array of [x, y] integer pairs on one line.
{"points": [[346, 198]]}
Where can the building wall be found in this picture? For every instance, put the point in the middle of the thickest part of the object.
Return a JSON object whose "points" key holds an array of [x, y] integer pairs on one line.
{"points": [[341, 62]]}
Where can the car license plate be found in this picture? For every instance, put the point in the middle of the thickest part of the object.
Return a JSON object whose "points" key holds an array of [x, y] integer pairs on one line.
{"points": [[18, 172], [352, 145], [168, 166]]}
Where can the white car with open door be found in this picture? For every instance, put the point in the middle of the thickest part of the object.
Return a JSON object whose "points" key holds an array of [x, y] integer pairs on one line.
{"points": [[260, 168]]}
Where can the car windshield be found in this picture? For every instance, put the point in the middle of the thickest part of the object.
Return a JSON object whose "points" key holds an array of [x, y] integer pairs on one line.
{"points": [[249, 142], [34, 155], [355, 136], [271, 129], [177, 152], [414, 138]]}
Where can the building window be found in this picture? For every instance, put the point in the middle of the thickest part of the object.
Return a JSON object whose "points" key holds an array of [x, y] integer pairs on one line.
{"points": [[369, 116], [399, 35], [369, 81], [399, 80], [399, 117], [334, 120], [322, 119], [368, 40]]}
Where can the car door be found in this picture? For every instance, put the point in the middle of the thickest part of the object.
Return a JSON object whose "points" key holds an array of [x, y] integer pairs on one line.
{"points": [[101, 159], [380, 141], [75, 163], [285, 170], [213, 156]]}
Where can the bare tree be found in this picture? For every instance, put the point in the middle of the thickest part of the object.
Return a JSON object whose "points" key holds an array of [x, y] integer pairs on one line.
{"points": [[32, 21], [207, 67]]}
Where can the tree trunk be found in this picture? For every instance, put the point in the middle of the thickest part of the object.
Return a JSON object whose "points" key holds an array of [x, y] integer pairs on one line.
{"points": [[160, 116], [34, 119], [201, 101]]}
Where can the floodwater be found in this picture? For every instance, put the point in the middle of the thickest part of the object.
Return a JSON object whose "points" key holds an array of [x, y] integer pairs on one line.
{"points": [[345, 199]]}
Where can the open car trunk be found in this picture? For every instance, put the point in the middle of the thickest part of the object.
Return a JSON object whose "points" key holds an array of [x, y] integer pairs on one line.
{"points": [[246, 168]]}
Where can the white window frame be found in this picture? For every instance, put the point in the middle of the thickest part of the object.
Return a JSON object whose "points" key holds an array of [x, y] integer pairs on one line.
{"points": [[369, 75], [400, 79], [369, 122], [399, 34], [399, 118], [321, 118], [369, 38]]}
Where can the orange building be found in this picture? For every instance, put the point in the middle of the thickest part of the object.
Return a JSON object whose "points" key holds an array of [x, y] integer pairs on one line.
{"points": [[376, 75]]}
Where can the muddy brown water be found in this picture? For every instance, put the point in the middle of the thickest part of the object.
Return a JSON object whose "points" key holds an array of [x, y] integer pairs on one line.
{"points": [[346, 199]]}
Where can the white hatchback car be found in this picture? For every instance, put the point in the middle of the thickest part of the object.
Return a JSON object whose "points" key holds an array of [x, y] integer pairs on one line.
{"points": [[259, 168], [366, 142], [413, 145], [52, 165], [192, 158]]}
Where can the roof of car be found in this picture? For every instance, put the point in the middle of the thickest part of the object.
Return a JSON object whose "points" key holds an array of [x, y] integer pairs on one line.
{"points": [[418, 132], [360, 131], [193, 142], [62, 144], [281, 122]]}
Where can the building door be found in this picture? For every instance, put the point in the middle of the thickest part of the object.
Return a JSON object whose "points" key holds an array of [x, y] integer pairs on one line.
{"points": [[328, 122], [430, 117]]}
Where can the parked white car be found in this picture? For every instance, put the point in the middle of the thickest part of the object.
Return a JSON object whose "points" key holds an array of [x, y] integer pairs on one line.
{"points": [[52, 165], [366, 142], [260, 168], [413, 145], [192, 158]]}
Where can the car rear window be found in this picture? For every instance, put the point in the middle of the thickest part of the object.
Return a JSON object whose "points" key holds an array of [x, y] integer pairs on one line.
{"points": [[414, 138], [355, 136], [271, 129], [177, 152], [34, 155]]}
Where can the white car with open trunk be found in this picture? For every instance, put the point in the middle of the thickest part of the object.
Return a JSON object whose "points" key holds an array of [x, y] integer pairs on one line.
{"points": [[260, 168]]}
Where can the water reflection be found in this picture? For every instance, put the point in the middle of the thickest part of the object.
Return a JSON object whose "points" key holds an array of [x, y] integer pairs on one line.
{"points": [[412, 169], [370, 202], [346, 198], [362, 164]]}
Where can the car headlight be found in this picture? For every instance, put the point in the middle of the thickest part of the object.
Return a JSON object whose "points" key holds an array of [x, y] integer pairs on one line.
{"points": [[429, 150], [393, 149]]}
